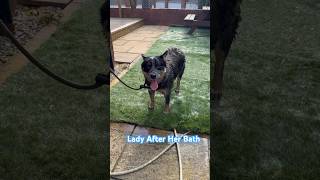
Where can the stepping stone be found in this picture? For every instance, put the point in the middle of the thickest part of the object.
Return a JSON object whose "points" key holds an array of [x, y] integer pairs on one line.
{"points": [[57, 3]]}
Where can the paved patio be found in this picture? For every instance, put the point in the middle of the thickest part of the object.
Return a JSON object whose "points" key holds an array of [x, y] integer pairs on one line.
{"points": [[124, 156], [128, 48]]}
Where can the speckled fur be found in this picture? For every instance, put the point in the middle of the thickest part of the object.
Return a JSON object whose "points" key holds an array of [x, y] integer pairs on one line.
{"points": [[173, 59]]}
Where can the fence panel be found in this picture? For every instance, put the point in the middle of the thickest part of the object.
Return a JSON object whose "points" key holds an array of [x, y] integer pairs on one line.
{"points": [[164, 4]]}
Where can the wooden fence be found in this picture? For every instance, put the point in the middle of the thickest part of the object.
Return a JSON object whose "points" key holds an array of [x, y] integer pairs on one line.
{"points": [[153, 15]]}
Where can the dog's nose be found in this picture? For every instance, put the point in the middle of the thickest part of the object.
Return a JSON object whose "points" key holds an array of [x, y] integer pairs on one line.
{"points": [[153, 76]]}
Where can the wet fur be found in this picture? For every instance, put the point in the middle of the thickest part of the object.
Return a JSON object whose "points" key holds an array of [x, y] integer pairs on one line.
{"points": [[173, 60]]}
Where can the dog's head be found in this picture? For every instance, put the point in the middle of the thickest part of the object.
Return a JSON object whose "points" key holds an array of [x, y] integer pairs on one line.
{"points": [[154, 69]]}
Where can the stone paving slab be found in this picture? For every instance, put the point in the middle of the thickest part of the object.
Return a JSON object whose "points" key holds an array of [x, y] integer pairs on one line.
{"points": [[128, 48], [195, 158], [126, 57], [150, 39], [133, 44], [119, 42], [122, 48], [140, 49], [137, 154], [133, 37], [117, 140], [166, 167]]}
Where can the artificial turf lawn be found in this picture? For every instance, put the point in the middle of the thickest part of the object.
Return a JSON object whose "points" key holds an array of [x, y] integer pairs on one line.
{"points": [[190, 109], [268, 126], [48, 130]]}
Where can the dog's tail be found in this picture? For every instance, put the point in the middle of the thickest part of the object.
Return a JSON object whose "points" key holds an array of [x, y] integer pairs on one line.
{"points": [[176, 53]]}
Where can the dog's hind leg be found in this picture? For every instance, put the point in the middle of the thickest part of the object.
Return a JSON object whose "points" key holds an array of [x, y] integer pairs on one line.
{"points": [[167, 101], [151, 103], [177, 90]]}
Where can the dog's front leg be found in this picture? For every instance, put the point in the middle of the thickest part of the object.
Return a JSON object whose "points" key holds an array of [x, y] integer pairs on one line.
{"points": [[167, 101], [178, 86], [151, 103]]}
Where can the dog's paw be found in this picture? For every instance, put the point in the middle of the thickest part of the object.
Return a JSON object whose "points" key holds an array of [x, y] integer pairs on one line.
{"points": [[166, 110], [151, 106]]}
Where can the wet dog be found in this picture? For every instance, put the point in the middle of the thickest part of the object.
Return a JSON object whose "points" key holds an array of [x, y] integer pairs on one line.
{"points": [[160, 73]]}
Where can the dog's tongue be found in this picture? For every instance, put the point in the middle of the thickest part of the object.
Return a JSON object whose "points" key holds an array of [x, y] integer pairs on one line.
{"points": [[154, 85]]}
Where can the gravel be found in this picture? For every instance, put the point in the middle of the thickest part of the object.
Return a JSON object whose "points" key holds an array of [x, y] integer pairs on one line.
{"points": [[28, 21]]}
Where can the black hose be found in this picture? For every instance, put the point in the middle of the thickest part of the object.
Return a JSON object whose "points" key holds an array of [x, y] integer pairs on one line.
{"points": [[100, 79], [141, 86]]}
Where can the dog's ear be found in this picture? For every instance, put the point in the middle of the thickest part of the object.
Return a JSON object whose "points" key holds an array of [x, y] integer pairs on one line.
{"points": [[143, 57], [164, 62], [164, 54]]}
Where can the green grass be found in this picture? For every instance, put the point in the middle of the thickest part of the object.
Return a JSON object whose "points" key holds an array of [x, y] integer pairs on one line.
{"points": [[50, 131], [189, 110], [269, 123]]}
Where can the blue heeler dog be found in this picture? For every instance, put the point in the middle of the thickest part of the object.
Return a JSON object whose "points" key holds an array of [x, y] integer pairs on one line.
{"points": [[160, 73]]}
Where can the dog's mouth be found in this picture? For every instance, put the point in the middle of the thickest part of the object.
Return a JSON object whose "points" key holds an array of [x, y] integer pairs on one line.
{"points": [[154, 85]]}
